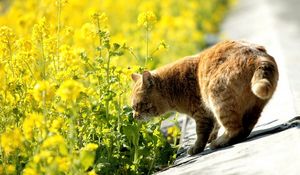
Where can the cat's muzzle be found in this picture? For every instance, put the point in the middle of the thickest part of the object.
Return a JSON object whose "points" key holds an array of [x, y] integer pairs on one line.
{"points": [[138, 116]]}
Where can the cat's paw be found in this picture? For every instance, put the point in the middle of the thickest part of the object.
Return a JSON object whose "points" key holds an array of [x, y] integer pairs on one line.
{"points": [[194, 150], [220, 142]]}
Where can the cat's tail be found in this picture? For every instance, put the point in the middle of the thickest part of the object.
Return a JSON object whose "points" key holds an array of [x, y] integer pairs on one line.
{"points": [[265, 77]]}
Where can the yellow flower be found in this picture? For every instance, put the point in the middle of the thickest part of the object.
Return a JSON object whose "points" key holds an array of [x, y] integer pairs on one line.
{"points": [[92, 172], [2, 77], [99, 20], [56, 142], [68, 31], [11, 169], [90, 147], [53, 141], [70, 58], [56, 125], [61, 3], [32, 121], [147, 20], [1, 169], [6, 35], [11, 140], [30, 171], [50, 45], [40, 31], [43, 155], [162, 45], [173, 131], [88, 30], [7, 38], [63, 163], [43, 90], [24, 45], [70, 90]]}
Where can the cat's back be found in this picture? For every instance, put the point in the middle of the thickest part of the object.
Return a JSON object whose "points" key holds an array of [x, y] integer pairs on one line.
{"points": [[230, 60], [186, 67]]}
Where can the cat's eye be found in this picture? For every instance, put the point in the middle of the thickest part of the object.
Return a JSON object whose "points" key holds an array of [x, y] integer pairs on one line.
{"points": [[142, 106]]}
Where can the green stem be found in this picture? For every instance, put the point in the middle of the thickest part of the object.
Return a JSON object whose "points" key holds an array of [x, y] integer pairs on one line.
{"points": [[32, 74], [100, 40], [58, 35], [152, 163], [44, 59], [133, 54], [119, 106], [136, 149], [136, 154], [73, 132], [147, 47], [108, 83], [45, 111], [153, 52]]}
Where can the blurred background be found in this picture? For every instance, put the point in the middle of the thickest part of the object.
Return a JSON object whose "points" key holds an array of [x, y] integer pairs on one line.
{"points": [[186, 27]]}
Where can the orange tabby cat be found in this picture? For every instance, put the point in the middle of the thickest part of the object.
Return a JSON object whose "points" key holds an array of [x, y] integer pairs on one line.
{"points": [[225, 86]]}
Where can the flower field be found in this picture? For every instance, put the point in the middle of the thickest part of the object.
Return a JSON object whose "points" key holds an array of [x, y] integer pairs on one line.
{"points": [[65, 69]]}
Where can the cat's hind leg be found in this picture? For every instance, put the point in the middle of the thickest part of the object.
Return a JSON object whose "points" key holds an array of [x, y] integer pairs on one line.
{"points": [[238, 128], [252, 115], [229, 115], [214, 133], [204, 126], [233, 131]]}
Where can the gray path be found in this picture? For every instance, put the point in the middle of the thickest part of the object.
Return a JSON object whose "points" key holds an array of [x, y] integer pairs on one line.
{"points": [[276, 25]]}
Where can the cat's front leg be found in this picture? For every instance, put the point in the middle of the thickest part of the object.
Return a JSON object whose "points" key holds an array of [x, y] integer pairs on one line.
{"points": [[204, 127]]}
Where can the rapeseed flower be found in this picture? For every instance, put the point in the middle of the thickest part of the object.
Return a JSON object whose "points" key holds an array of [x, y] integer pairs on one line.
{"points": [[30, 171], [88, 30], [63, 163], [24, 45], [43, 91], [92, 172], [7, 35], [33, 122], [56, 125], [11, 140], [40, 31], [10, 169], [53, 141], [69, 90], [90, 147], [147, 20], [2, 77], [99, 20], [57, 143]]}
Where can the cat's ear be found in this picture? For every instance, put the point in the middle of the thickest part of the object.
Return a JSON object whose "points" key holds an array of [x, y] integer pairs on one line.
{"points": [[147, 79], [135, 77]]}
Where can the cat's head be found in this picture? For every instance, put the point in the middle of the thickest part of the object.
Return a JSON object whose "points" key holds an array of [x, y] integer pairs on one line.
{"points": [[146, 98]]}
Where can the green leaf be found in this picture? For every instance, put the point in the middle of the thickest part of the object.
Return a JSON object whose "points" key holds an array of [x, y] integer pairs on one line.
{"points": [[116, 46], [132, 133]]}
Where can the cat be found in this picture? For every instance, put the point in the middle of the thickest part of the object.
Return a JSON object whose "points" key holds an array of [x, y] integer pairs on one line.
{"points": [[226, 85]]}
